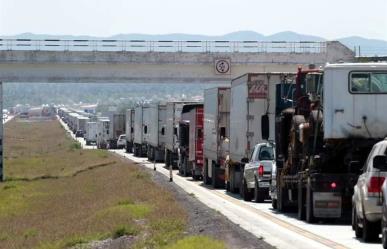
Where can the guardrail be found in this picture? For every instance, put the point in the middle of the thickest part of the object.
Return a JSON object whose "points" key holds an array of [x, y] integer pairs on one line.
{"points": [[164, 46]]}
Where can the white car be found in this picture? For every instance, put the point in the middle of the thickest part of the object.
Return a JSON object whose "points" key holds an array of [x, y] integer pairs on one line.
{"points": [[258, 172], [121, 142]]}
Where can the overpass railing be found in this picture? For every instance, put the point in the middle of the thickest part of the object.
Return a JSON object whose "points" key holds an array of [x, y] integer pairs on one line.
{"points": [[163, 46]]}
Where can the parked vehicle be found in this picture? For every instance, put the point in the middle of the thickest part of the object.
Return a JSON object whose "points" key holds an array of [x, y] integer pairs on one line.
{"points": [[103, 132], [129, 129], [367, 197], [116, 128], [384, 215], [91, 133], [139, 148], [258, 172], [252, 101], [154, 119], [216, 134], [191, 141], [324, 138], [81, 125], [173, 117], [121, 141]]}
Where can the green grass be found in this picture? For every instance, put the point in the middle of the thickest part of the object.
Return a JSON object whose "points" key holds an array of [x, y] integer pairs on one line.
{"points": [[197, 242], [58, 196]]}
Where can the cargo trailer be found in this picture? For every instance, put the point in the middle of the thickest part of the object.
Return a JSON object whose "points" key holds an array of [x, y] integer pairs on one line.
{"points": [[139, 147], [154, 122], [91, 133], [173, 117], [103, 132], [129, 130], [191, 141], [216, 134], [252, 101]]}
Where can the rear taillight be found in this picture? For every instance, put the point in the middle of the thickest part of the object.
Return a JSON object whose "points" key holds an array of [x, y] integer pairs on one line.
{"points": [[260, 170], [375, 184]]}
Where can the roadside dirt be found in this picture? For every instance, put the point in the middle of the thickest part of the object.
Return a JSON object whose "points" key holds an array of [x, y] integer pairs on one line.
{"points": [[206, 221]]}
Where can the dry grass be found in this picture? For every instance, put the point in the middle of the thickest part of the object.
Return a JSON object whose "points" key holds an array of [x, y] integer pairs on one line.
{"points": [[98, 203]]}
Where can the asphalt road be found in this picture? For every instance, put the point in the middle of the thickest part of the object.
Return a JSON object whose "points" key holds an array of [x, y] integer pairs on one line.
{"points": [[278, 229]]}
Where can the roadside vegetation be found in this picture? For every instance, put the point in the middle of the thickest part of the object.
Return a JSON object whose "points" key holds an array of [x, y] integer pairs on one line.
{"points": [[57, 195]]}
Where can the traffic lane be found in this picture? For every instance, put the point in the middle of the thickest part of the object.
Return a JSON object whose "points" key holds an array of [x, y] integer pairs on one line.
{"points": [[342, 236], [252, 220], [81, 140]]}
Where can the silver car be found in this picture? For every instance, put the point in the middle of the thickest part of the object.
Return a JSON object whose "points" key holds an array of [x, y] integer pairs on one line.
{"points": [[367, 197], [257, 173]]}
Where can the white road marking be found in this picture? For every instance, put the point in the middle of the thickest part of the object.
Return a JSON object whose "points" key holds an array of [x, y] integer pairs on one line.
{"points": [[280, 230]]}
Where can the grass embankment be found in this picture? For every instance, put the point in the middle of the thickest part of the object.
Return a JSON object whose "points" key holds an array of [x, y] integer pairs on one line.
{"points": [[58, 196]]}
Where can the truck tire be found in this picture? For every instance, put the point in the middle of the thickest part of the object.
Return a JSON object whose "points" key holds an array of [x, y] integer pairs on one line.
{"points": [[259, 195], [309, 205], [274, 204], [231, 181], [214, 177], [358, 230], [206, 179], [301, 201], [370, 230], [246, 194]]}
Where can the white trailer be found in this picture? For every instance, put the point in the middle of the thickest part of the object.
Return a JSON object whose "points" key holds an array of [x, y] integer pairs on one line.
{"points": [[253, 97], [103, 135], [154, 123], [173, 117], [81, 125], [216, 134], [117, 128], [91, 133], [139, 148], [129, 129]]}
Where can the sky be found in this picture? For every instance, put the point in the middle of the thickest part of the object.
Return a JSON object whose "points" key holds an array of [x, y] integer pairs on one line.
{"points": [[331, 19]]}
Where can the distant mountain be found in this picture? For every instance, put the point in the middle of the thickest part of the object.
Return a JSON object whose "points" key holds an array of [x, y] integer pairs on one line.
{"points": [[367, 46]]}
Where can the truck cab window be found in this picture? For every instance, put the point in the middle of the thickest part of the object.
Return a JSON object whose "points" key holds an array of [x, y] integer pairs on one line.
{"points": [[368, 82]]}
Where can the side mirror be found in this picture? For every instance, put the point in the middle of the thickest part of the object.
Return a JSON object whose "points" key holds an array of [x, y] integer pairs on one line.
{"points": [[355, 167], [245, 160], [265, 129], [380, 163]]}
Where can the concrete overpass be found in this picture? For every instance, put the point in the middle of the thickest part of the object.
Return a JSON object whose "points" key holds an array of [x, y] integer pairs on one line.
{"points": [[25, 60]]}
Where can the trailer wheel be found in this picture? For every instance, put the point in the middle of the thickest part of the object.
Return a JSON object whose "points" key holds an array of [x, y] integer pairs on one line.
{"points": [[206, 179], [214, 178], [246, 194], [370, 230], [301, 201], [309, 205], [259, 195]]}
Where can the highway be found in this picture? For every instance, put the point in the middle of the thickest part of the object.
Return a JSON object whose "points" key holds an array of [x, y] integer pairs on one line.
{"points": [[278, 229]]}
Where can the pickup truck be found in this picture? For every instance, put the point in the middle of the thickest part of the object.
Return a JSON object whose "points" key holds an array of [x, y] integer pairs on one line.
{"points": [[258, 172]]}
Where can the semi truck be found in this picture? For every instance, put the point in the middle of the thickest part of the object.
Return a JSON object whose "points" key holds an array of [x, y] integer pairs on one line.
{"points": [[173, 117], [91, 133], [191, 141], [216, 134], [139, 148], [252, 101], [154, 119], [103, 132], [81, 126], [116, 128], [324, 139], [129, 130]]}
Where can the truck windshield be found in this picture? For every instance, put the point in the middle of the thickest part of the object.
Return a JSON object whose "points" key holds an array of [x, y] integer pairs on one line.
{"points": [[265, 153]]}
